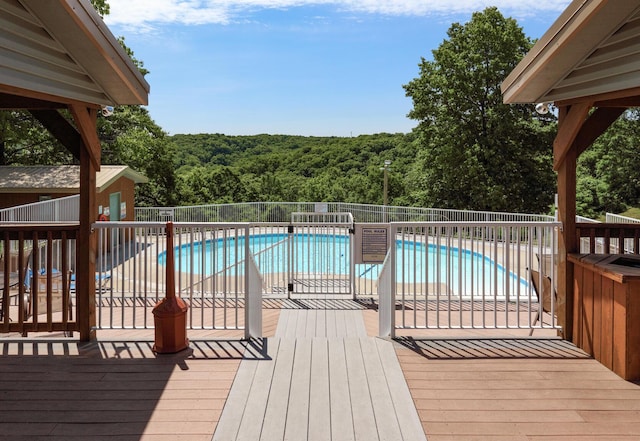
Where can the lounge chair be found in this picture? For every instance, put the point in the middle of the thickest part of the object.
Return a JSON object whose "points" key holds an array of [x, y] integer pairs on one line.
{"points": [[102, 279], [16, 288], [57, 291], [14, 294], [544, 295]]}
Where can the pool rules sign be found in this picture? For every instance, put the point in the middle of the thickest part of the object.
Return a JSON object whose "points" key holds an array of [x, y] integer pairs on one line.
{"points": [[372, 243]]}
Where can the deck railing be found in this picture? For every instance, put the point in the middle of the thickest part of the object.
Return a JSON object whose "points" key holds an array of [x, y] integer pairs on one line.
{"points": [[131, 274], [469, 275], [480, 270], [439, 274], [608, 238], [480, 277], [36, 278]]}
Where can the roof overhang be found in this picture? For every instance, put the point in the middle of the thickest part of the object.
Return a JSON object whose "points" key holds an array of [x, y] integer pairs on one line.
{"points": [[59, 52], [61, 179], [109, 174], [591, 53]]}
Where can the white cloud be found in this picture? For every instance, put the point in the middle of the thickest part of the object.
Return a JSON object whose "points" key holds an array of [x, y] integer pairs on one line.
{"points": [[145, 14]]}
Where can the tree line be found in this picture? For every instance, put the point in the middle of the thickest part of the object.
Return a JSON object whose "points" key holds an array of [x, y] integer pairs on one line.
{"points": [[221, 169]]}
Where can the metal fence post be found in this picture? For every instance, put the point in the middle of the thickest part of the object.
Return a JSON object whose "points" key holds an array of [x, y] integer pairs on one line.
{"points": [[253, 294]]}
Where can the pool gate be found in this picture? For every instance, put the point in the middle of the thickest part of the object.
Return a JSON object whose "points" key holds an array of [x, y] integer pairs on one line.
{"points": [[317, 255]]}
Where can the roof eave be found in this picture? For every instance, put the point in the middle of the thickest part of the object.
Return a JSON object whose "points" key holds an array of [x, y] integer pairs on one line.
{"points": [[572, 38], [77, 26], [126, 172], [43, 190]]}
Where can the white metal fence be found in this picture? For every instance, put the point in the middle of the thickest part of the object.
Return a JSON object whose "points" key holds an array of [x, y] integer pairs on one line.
{"points": [[282, 212], [439, 275], [216, 282], [65, 209], [467, 275], [619, 219]]}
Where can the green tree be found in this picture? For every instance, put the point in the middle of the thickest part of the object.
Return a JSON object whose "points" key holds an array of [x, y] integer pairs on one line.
{"points": [[131, 137], [296, 168], [475, 152], [212, 184], [23, 141], [607, 173], [101, 6]]}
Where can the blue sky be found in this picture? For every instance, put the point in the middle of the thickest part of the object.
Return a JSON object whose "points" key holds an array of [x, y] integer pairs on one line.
{"points": [[296, 67]]}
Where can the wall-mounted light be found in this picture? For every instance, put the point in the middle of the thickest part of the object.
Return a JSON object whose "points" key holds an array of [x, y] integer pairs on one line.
{"points": [[542, 108], [107, 111]]}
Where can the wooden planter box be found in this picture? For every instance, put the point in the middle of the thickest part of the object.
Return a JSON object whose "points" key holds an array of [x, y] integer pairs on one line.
{"points": [[606, 314]]}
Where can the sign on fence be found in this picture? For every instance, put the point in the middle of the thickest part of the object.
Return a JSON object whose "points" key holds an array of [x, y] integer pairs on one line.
{"points": [[372, 243]]}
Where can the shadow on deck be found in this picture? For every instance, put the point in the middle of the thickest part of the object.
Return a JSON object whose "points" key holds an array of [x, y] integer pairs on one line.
{"points": [[492, 348]]}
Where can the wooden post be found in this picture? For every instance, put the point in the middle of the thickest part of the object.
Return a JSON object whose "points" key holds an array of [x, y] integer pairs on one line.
{"points": [[565, 159], [86, 242], [86, 251], [578, 128], [567, 242]]}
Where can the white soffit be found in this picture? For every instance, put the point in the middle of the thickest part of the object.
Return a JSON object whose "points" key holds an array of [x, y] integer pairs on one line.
{"points": [[592, 49], [62, 48]]}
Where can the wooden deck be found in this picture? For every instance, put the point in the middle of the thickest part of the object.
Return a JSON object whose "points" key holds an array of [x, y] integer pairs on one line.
{"points": [[464, 386], [325, 379]]}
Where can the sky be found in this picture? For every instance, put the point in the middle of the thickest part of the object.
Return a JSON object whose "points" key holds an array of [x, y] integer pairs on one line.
{"points": [[294, 67]]}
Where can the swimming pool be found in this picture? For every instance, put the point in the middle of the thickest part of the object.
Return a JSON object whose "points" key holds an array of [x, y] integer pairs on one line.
{"points": [[462, 271]]}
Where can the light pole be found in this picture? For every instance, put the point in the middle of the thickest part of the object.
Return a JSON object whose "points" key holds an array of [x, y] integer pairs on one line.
{"points": [[387, 163], [385, 199]]}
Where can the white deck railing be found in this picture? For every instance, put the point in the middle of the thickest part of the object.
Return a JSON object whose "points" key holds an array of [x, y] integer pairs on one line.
{"points": [[468, 275], [131, 275]]}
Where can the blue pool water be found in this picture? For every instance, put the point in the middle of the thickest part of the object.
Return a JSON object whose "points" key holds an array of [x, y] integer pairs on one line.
{"points": [[328, 254]]}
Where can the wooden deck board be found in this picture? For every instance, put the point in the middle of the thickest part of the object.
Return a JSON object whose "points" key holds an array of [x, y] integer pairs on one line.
{"points": [[71, 390], [408, 418], [324, 388], [341, 329], [364, 421], [303, 318], [292, 324], [464, 388], [321, 323], [275, 415], [228, 428], [258, 394], [340, 398], [494, 392], [320, 405], [297, 423], [330, 325], [383, 406]]}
